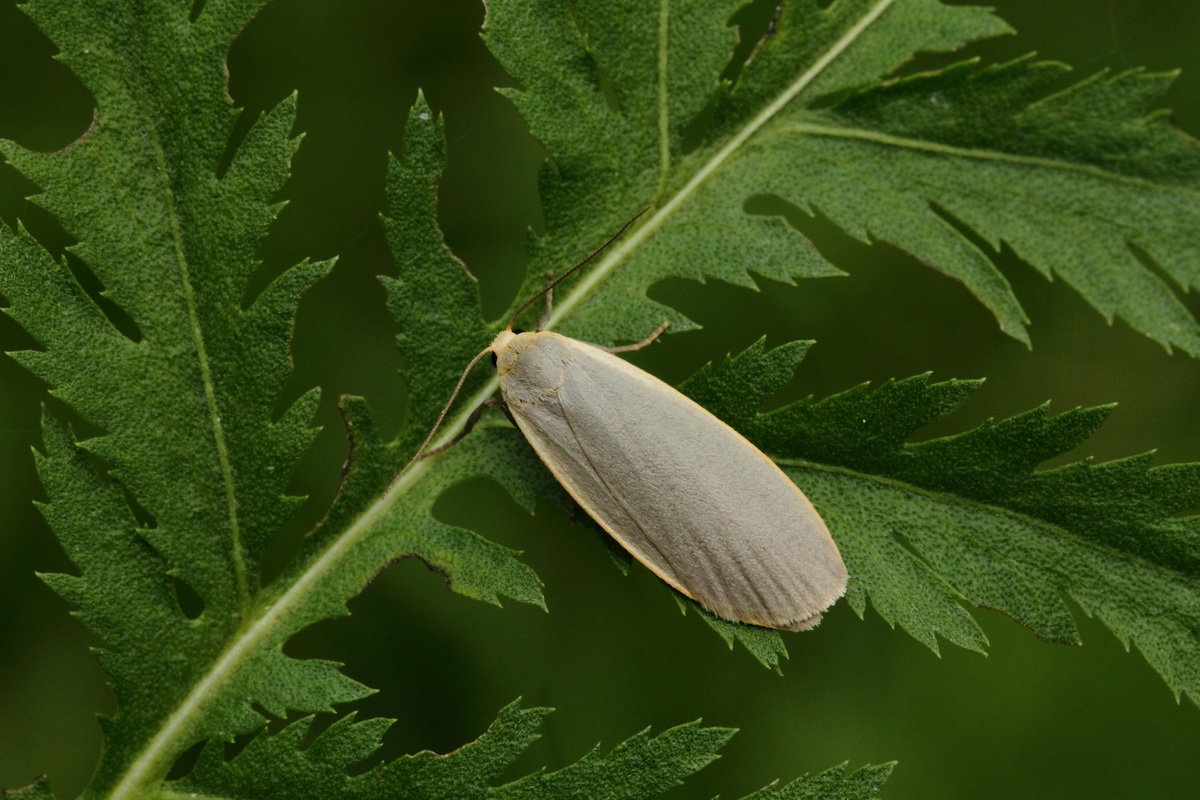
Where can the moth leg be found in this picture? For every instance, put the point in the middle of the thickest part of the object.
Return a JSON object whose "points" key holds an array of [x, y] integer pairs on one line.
{"points": [[504, 407], [544, 319], [629, 348], [471, 420]]}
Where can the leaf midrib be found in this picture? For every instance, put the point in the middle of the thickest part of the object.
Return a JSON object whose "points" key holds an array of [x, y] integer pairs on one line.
{"points": [[946, 498], [664, 106], [210, 393], [136, 775], [260, 625], [976, 153], [196, 331], [621, 252]]}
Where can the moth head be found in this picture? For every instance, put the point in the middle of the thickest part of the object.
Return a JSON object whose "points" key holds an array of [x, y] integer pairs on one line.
{"points": [[502, 342]]}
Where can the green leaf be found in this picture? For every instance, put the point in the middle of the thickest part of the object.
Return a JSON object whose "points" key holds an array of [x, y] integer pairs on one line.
{"points": [[1086, 183], [764, 644], [436, 306], [323, 765], [186, 402], [838, 782], [180, 372], [643, 766], [185, 396], [923, 526], [1077, 182]]}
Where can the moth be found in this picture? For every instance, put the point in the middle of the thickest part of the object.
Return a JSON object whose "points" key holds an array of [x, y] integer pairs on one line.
{"points": [[687, 495]]}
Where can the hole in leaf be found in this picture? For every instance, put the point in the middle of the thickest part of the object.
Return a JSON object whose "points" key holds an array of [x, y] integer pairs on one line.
{"points": [[831, 99], [190, 602], [769, 205]]}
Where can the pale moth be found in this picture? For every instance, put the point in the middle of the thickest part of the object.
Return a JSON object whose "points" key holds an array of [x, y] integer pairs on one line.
{"points": [[687, 495]]}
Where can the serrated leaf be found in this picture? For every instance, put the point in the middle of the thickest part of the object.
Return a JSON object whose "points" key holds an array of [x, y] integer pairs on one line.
{"points": [[325, 765], [1077, 182], [839, 782], [435, 290], [643, 766], [764, 644], [185, 394], [187, 479], [923, 526], [1087, 184]]}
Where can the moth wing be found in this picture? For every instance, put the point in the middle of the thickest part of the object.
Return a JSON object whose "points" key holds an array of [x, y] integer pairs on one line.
{"points": [[687, 495]]}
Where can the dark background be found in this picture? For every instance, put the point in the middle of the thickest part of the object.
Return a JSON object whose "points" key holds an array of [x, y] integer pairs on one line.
{"points": [[1030, 720]]}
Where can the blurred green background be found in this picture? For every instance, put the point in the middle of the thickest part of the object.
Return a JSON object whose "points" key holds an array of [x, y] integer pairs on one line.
{"points": [[1029, 720]]}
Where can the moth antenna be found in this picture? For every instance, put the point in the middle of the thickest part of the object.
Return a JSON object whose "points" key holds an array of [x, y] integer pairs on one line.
{"points": [[420, 453], [550, 286], [445, 410]]}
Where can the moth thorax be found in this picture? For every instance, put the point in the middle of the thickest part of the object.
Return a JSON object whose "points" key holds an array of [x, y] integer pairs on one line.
{"points": [[531, 365]]}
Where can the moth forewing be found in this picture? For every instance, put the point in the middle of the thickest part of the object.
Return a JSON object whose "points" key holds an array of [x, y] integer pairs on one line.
{"points": [[686, 494]]}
